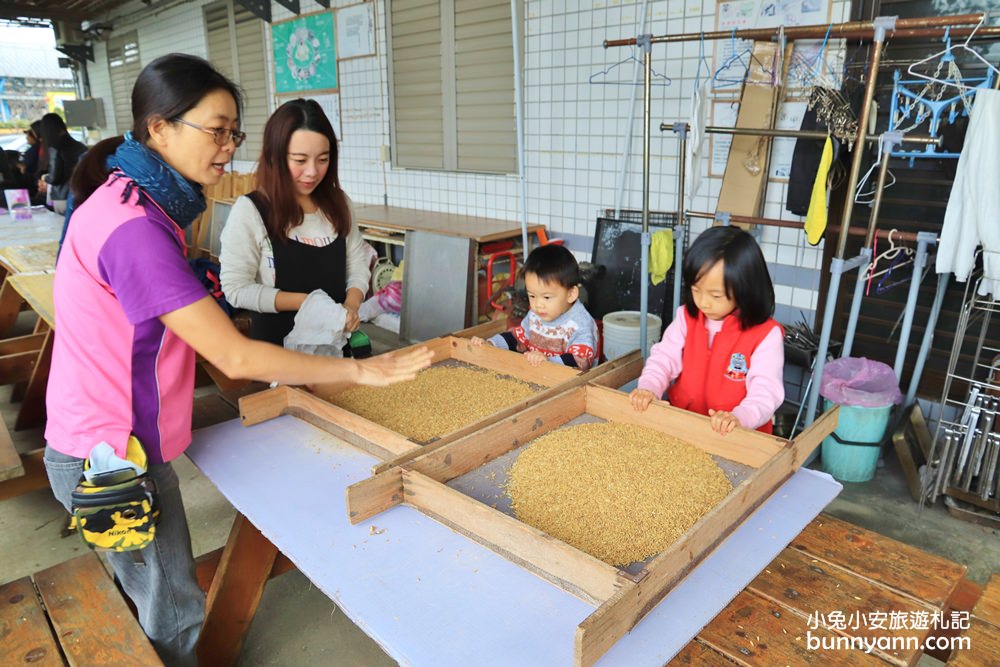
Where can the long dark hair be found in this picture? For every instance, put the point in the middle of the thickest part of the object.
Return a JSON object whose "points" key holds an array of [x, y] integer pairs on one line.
{"points": [[274, 180], [166, 88], [745, 274], [52, 126]]}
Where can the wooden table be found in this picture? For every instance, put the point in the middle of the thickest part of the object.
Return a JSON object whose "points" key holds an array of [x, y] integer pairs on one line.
{"points": [[32, 258], [43, 227], [480, 230], [36, 290], [25, 363], [443, 592], [443, 252]]}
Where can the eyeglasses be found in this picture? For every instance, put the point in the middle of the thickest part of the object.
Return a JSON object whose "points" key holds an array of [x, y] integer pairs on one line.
{"points": [[222, 135]]}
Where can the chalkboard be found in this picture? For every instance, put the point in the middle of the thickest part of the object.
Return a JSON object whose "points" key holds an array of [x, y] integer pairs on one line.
{"points": [[617, 247]]}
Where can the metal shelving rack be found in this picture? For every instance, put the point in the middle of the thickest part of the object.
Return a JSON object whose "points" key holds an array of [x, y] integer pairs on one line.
{"points": [[966, 449]]}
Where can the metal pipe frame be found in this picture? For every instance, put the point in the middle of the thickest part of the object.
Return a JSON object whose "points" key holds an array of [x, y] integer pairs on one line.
{"points": [[859, 290], [925, 344], [838, 266], [679, 225], [908, 27], [919, 262], [644, 260], [794, 224], [800, 134], [876, 30], [866, 250], [679, 234]]}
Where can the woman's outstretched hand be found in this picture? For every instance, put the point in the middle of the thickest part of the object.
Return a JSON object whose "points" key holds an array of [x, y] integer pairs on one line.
{"points": [[386, 369]]}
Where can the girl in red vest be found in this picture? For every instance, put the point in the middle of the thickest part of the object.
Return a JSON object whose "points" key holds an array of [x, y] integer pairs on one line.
{"points": [[723, 352]]}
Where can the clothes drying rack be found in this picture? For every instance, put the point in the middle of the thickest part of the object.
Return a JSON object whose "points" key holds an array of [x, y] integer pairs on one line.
{"points": [[875, 31]]}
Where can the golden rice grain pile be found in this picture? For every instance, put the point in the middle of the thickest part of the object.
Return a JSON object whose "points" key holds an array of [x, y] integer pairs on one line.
{"points": [[618, 492], [440, 400]]}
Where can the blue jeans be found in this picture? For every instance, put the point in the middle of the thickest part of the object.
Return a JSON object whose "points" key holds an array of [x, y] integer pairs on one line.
{"points": [[159, 579]]}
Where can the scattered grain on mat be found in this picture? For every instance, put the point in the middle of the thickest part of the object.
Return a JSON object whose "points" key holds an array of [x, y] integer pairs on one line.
{"points": [[439, 401], [618, 492]]}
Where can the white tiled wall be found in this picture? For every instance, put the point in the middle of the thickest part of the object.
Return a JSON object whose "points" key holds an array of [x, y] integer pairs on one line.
{"points": [[573, 129]]}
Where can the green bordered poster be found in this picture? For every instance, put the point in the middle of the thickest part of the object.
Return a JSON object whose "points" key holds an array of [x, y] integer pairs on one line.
{"points": [[304, 54]]}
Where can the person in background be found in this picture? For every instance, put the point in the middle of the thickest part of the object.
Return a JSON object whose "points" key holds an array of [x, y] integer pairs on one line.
{"points": [[131, 315], [723, 352], [296, 233], [63, 152], [31, 161], [10, 176], [557, 328]]}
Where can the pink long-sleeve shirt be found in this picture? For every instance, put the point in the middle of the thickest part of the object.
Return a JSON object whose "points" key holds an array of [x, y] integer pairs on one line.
{"points": [[764, 382]]}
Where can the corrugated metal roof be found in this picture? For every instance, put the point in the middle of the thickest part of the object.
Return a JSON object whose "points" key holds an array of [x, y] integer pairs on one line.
{"points": [[29, 62]]}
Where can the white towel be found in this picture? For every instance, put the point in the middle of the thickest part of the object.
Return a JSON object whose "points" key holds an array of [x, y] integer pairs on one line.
{"points": [[973, 213], [319, 326]]}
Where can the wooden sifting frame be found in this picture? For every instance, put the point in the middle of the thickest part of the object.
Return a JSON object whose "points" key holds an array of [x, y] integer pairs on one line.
{"points": [[395, 449], [622, 599]]}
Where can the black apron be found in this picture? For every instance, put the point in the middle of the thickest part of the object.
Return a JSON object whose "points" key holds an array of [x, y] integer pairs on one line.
{"points": [[300, 267]]}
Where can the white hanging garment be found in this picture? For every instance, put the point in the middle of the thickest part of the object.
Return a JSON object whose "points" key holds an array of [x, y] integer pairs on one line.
{"points": [[973, 213], [695, 141]]}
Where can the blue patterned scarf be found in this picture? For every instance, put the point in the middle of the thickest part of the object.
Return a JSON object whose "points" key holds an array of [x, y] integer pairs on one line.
{"points": [[181, 199]]}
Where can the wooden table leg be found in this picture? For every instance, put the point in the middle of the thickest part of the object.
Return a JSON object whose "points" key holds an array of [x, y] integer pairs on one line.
{"points": [[32, 412], [41, 328], [247, 561], [10, 306]]}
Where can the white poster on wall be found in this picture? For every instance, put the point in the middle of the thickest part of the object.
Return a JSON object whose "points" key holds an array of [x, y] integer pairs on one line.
{"points": [[329, 102], [789, 118], [331, 106], [355, 31], [732, 55]]}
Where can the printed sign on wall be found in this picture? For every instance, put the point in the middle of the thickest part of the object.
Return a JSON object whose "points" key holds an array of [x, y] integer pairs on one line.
{"points": [[305, 57]]}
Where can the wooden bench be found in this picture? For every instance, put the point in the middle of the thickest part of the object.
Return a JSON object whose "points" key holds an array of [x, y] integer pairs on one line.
{"points": [[983, 633], [70, 614], [831, 565]]}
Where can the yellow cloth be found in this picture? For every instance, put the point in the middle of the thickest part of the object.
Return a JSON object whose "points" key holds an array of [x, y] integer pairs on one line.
{"points": [[397, 275], [661, 255], [816, 216]]}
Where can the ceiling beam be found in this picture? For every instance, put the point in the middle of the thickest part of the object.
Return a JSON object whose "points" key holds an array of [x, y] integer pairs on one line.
{"points": [[14, 10]]}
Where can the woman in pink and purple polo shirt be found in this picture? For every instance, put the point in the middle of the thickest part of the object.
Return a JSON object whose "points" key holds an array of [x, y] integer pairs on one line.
{"points": [[130, 316]]}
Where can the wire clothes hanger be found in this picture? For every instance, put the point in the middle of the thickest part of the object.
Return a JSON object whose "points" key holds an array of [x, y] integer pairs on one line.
{"points": [[744, 58], [898, 256], [868, 197], [701, 61], [816, 64], [736, 57], [657, 78], [947, 56]]}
